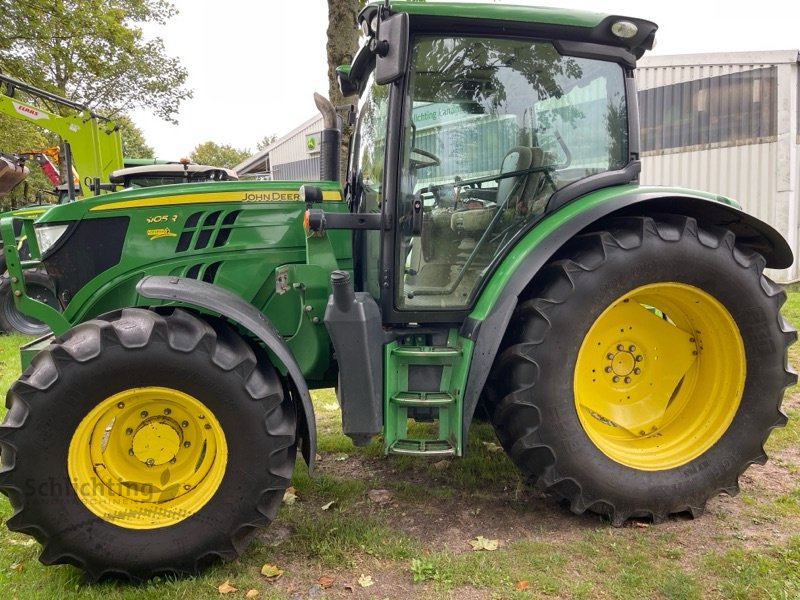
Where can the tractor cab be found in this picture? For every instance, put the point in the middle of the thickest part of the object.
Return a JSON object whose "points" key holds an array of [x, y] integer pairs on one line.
{"points": [[466, 139]]}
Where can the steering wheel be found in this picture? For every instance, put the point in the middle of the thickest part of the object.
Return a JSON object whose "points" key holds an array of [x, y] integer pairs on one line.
{"points": [[428, 159]]}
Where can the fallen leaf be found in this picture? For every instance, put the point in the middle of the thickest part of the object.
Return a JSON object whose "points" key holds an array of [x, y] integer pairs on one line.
{"points": [[379, 496], [271, 571], [18, 567], [289, 497], [481, 543], [522, 585], [492, 447], [328, 505], [641, 525], [342, 457], [226, 588], [326, 581], [251, 594], [441, 465], [365, 581]]}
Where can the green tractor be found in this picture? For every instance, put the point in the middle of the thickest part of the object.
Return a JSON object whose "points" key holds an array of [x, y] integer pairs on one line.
{"points": [[491, 251]]}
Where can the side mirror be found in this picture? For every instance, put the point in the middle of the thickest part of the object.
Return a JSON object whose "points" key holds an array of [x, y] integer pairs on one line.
{"points": [[391, 49]]}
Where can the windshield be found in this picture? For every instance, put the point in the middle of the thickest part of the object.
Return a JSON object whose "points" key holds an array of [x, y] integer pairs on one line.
{"points": [[493, 128]]}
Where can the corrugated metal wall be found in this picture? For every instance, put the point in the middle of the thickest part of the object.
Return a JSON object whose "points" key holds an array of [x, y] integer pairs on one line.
{"points": [[726, 124], [290, 159]]}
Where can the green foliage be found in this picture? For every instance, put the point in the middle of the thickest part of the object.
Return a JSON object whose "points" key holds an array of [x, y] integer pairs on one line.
{"points": [[16, 136], [133, 143], [218, 155], [93, 52]]}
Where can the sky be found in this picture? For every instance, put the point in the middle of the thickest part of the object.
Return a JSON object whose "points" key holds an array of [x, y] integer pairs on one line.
{"points": [[254, 66]]}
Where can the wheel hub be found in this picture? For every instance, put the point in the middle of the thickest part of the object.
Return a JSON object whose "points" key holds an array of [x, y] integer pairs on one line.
{"points": [[644, 375], [623, 363], [147, 457], [157, 441]]}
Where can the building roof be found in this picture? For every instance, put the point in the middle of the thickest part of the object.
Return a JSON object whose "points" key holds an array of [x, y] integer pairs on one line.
{"points": [[764, 57], [256, 162]]}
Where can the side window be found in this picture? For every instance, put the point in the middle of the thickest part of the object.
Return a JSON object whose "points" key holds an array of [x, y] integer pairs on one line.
{"points": [[366, 163], [493, 127]]}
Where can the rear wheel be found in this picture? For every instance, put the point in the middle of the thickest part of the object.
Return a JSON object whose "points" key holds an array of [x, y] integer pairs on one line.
{"points": [[39, 287], [645, 369], [142, 443]]}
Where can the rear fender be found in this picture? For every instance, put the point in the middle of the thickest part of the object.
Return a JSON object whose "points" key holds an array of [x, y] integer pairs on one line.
{"points": [[227, 304]]}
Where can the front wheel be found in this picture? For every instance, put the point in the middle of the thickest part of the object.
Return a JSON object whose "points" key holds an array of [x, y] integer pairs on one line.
{"points": [[644, 370], [140, 443], [39, 287]]}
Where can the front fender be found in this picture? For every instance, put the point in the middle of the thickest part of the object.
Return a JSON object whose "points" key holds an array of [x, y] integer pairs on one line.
{"points": [[488, 321], [229, 305]]}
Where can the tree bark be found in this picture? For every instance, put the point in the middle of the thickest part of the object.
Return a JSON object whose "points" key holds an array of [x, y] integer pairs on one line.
{"points": [[342, 45]]}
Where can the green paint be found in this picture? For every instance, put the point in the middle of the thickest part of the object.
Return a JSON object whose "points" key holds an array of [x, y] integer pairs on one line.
{"points": [[499, 12], [446, 364]]}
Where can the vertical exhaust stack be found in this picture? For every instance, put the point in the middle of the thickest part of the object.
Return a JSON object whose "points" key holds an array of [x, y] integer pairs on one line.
{"points": [[330, 141]]}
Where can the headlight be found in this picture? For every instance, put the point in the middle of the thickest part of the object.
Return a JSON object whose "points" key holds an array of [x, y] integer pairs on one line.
{"points": [[47, 235]]}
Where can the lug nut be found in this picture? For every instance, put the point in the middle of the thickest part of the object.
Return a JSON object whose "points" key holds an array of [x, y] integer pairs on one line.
{"points": [[187, 444], [637, 371], [150, 462], [639, 358], [620, 347], [167, 411], [130, 452], [187, 487], [121, 405], [615, 379], [207, 426], [627, 380], [631, 348], [610, 356], [173, 460], [184, 424], [608, 369], [144, 414], [129, 431]]}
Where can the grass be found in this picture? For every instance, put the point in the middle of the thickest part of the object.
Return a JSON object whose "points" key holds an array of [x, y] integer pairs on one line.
{"points": [[417, 544]]}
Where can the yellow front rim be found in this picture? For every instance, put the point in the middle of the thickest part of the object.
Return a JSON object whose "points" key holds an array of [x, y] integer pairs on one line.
{"points": [[659, 376], [147, 457]]}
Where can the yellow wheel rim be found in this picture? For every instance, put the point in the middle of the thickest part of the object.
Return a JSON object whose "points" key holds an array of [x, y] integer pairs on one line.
{"points": [[147, 457], [659, 376]]}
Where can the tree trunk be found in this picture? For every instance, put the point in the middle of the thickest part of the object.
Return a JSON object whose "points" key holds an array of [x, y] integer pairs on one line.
{"points": [[342, 45]]}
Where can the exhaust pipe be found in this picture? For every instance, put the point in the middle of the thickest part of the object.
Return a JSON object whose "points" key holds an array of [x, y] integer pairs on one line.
{"points": [[330, 140]]}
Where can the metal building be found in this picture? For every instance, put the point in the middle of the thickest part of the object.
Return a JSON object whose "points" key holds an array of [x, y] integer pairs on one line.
{"points": [[727, 123], [294, 157]]}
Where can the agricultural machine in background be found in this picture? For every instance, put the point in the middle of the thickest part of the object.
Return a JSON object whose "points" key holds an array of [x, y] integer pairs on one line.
{"points": [[492, 249], [93, 147]]}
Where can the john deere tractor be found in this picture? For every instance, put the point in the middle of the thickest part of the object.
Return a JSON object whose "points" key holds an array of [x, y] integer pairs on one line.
{"points": [[491, 249]]}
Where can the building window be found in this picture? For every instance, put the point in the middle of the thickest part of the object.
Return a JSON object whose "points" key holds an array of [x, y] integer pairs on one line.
{"points": [[730, 109]]}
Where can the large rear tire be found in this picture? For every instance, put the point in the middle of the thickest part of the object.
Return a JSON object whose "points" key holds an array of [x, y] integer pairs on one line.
{"points": [[643, 370], [140, 443]]}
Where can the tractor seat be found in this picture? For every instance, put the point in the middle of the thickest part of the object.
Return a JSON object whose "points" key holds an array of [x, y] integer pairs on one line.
{"points": [[512, 191]]}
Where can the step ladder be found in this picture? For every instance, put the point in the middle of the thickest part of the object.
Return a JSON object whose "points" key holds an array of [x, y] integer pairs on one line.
{"points": [[418, 386]]}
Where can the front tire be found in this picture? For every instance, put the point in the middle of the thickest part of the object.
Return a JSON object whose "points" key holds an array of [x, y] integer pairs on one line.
{"points": [[39, 287], [139, 443], [643, 370]]}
